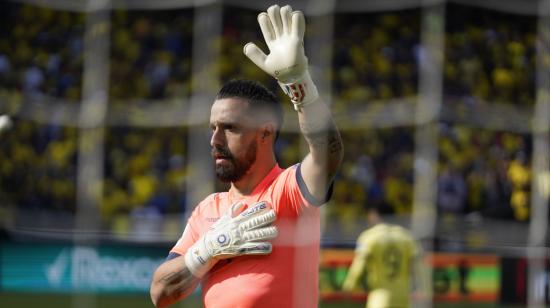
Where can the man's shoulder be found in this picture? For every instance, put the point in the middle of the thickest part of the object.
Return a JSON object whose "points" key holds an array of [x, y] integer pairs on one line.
{"points": [[284, 175], [290, 169], [402, 232], [368, 234], [383, 231], [376, 229]]}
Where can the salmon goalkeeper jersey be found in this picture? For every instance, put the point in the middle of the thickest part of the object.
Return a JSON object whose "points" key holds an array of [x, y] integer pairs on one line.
{"points": [[386, 254], [288, 277]]}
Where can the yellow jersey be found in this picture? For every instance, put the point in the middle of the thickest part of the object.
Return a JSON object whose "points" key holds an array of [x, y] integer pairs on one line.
{"points": [[386, 254]]}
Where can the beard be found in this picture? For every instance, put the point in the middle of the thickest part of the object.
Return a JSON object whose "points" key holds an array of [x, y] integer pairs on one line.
{"points": [[234, 168]]}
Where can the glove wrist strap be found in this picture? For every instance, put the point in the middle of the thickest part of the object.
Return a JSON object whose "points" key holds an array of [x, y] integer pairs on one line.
{"points": [[302, 91], [198, 260]]}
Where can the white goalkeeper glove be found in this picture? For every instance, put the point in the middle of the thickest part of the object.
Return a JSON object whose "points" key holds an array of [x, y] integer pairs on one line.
{"points": [[283, 31], [233, 235]]}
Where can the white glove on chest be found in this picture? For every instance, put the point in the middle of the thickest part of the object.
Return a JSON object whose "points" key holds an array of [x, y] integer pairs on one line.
{"points": [[233, 235]]}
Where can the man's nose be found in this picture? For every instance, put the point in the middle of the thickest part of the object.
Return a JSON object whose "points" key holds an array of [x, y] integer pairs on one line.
{"points": [[217, 139]]}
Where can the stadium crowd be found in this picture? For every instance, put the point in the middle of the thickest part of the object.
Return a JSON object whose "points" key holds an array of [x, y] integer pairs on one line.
{"points": [[489, 56], [41, 52]]}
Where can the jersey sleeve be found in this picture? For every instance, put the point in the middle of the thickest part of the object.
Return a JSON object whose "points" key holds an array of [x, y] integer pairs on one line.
{"points": [[363, 246], [305, 191], [292, 190]]}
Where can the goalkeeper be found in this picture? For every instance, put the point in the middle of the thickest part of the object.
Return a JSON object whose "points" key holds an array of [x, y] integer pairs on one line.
{"points": [[233, 254]]}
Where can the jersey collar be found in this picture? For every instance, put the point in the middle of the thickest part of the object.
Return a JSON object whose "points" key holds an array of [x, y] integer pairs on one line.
{"points": [[267, 180]]}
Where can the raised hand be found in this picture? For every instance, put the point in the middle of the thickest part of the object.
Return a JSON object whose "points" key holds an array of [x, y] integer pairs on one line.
{"points": [[283, 31]]}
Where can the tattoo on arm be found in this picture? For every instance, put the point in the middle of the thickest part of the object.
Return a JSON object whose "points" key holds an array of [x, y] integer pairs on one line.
{"points": [[334, 141], [179, 282], [318, 136]]}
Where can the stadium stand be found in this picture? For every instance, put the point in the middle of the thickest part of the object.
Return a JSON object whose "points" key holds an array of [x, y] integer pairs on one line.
{"points": [[482, 171]]}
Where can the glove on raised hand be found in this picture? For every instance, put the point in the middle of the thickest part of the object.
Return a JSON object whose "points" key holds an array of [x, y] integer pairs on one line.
{"points": [[283, 31], [233, 235]]}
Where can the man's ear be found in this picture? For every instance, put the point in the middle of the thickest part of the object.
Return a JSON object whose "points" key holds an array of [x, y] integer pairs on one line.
{"points": [[268, 130]]}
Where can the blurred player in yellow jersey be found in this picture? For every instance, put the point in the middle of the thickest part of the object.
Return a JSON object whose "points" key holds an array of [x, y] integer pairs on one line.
{"points": [[389, 257]]}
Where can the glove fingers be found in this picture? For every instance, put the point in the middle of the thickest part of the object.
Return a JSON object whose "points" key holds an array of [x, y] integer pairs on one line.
{"points": [[258, 248], [258, 221], [261, 234], [252, 248], [255, 209], [274, 13], [286, 18], [237, 207], [298, 24], [231, 213], [266, 27]]}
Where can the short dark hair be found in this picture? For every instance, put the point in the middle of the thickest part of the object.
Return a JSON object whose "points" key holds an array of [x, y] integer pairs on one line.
{"points": [[258, 96]]}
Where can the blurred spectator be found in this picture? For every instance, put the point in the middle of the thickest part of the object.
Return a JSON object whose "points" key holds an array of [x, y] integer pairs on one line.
{"points": [[520, 177], [451, 194], [33, 80], [5, 69]]}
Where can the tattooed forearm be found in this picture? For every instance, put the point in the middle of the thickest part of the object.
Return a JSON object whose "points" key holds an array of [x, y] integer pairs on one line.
{"points": [[171, 282], [173, 277], [179, 283]]}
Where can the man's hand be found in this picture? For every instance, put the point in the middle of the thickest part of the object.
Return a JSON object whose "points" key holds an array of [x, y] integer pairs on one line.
{"points": [[233, 235], [283, 31]]}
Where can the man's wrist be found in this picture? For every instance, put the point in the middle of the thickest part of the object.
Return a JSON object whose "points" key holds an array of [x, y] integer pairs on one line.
{"points": [[302, 91], [198, 260]]}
